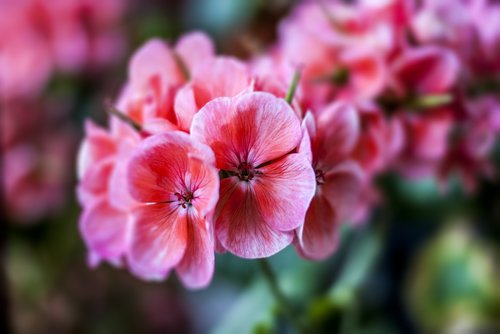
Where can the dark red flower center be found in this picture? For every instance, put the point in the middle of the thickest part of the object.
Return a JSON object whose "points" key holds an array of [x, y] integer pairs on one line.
{"points": [[184, 198], [246, 171], [320, 177]]}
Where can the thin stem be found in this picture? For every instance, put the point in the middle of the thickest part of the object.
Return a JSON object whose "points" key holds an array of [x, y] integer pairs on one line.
{"points": [[279, 296], [293, 87], [110, 108]]}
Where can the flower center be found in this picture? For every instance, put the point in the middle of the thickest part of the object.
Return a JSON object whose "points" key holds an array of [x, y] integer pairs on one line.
{"points": [[246, 172], [320, 177], [184, 198]]}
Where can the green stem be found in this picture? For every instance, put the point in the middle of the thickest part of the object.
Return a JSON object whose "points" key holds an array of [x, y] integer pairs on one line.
{"points": [[293, 87], [431, 101], [279, 296], [121, 116]]}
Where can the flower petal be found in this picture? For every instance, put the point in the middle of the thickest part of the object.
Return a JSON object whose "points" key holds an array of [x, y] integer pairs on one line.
{"points": [[254, 128], [337, 133], [159, 240], [197, 266], [158, 168], [426, 70], [106, 230], [194, 48], [240, 226], [342, 188], [154, 60], [218, 77], [318, 237], [284, 190], [185, 107]]}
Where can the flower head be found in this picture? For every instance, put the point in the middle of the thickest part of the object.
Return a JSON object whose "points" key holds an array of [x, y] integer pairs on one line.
{"points": [[268, 187], [328, 141], [174, 179]]}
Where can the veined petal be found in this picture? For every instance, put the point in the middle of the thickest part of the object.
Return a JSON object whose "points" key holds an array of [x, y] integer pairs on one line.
{"points": [[203, 179], [240, 226], [254, 128], [159, 239], [197, 266], [318, 237], [284, 190], [159, 166]]}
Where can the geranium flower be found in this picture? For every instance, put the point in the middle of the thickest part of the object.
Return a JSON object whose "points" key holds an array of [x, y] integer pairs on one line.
{"points": [[175, 180], [268, 187], [156, 73], [328, 142], [106, 220]]}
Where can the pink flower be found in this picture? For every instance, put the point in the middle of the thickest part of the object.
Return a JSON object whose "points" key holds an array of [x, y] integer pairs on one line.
{"points": [[328, 142], [472, 143], [380, 139], [268, 187], [105, 223], [426, 142], [174, 179], [425, 70], [156, 73], [216, 77]]}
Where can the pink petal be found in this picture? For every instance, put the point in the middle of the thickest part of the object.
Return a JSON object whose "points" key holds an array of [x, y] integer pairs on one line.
{"points": [[426, 70], [105, 229], [197, 266], [308, 131], [218, 77], [254, 128], [342, 188], [159, 240], [154, 60], [367, 72], [284, 190], [318, 237], [337, 134], [240, 227], [185, 107], [97, 145], [194, 48], [96, 180], [157, 169], [204, 180]]}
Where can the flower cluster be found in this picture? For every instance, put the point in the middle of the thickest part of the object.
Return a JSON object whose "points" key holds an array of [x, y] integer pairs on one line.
{"points": [[207, 153]]}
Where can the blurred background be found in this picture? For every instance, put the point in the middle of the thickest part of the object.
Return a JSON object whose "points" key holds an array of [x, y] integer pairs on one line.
{"points": [[424, 263]]}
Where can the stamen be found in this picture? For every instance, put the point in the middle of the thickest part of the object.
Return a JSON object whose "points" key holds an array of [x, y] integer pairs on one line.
{"points": [[320, 177], [184, 199], [246, 172]]}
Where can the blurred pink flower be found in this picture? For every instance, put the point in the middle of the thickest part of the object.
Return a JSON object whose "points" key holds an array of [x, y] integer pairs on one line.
{"points": [[177, 184], [39, 36], [106, 222], [167, 86], [380, 140], [425, 70], [328, 142], [37, 160], [268, 187], [426, 142]]}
